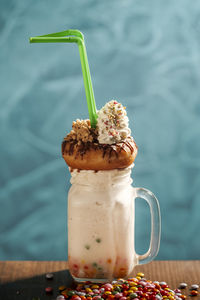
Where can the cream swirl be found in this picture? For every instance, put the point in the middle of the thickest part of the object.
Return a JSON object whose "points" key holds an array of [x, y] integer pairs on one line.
{"points": [[112, 123]]}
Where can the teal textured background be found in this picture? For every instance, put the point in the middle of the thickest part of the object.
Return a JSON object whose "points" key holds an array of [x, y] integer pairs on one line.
{"points": [[145, 54]]}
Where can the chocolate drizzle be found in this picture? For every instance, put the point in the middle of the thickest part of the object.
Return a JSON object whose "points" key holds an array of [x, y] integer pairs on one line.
{"points": [[130, 147], [69, 147], [104, 150], [63, 146], [79, 170], [110, 152]]}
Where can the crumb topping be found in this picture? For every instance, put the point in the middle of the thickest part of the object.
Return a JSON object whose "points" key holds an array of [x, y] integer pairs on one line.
{"points": [[82, 132]]}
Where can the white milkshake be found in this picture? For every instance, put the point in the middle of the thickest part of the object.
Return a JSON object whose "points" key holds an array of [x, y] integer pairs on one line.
{"points": [[101, 224]]}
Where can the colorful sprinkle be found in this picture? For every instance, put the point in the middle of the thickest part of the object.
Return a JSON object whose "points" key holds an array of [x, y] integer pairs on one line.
{"points": [[95, 265], [86, 267], [98, 240]]}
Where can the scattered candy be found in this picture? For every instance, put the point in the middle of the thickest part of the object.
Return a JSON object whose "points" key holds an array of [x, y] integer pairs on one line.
{"points": [[98, 240], [62, 288], [177, 291], [49, 290], [137, 288], [49, 276], [70, 293], [60, 297], [140, 274], [194, 287], [194, 293], [182, 285], [162, 283]]}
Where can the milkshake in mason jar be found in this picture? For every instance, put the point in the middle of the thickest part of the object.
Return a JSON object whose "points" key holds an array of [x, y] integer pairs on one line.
{"points": [[101, 212]]}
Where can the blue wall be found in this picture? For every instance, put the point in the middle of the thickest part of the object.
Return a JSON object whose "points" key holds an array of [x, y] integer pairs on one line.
{"points": [[145, 54]]}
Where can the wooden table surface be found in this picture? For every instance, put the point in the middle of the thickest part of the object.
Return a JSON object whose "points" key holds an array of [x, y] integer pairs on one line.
{"points": [[26, 279]]}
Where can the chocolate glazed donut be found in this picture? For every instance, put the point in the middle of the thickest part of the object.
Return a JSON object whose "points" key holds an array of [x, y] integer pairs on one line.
{"points": [[95, 156]]}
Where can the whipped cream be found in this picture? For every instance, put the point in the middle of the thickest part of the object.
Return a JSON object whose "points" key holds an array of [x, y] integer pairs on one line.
{"points": [[102, 179], [112, 123]]}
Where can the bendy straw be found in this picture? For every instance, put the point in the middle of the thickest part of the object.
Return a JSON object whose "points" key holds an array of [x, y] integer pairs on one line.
{"points": [[75, 36]]}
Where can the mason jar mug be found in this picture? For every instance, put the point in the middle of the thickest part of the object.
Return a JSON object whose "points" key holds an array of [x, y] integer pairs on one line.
{"points": [[101, 217]]}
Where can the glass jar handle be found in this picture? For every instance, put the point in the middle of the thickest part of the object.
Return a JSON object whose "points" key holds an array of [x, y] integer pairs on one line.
{"points": [[155, 224]]}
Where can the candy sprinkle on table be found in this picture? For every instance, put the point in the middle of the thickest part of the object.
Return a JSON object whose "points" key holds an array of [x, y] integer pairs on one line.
{"points": [[62, 288], [49, 290], [194, 287], [135, 288], [182, 285], [49, 276], [60, 297], [194, 293]]}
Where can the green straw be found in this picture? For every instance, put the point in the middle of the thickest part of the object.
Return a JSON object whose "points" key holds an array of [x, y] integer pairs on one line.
{"points": [[75, 36]]}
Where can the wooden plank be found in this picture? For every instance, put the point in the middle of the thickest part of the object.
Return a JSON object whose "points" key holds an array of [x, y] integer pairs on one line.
{"points": [[16, 270]]}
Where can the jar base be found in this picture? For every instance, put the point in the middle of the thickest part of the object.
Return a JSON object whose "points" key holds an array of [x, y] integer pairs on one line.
{"points": [[92, 280]]}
